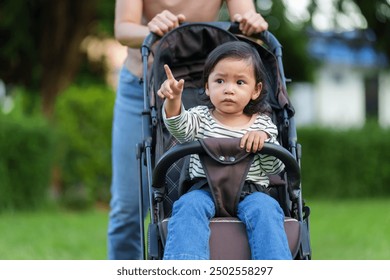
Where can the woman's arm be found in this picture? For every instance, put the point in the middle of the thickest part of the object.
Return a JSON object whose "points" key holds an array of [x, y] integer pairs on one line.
{"points": [[129, 29]]}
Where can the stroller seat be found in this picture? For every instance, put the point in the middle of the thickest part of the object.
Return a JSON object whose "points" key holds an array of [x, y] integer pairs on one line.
{"points": [[228, 238]]}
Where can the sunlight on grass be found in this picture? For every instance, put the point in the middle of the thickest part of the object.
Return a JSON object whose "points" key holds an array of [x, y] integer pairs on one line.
{"points": [[54, 235], [340, 230], [352, 229]]}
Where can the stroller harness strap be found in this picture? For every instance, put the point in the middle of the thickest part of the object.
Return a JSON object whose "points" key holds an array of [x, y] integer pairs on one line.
{"points": [[226, 166]]}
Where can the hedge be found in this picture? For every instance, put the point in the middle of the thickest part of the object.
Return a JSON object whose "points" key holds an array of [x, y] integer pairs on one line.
{"points": [[83, 117], [351, 163], [26, 147]]}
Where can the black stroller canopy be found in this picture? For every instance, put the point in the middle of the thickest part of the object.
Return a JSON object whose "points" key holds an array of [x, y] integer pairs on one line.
{"points": [[186, 48]]}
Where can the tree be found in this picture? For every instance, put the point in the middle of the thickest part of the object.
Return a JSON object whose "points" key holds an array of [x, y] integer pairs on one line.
{"points": [[40, 46], [376, 15], [291, 34], [40, 39], [40, 43]]}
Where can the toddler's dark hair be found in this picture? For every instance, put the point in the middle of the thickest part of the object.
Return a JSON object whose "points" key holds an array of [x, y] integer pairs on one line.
{"points": [[242, 51]]}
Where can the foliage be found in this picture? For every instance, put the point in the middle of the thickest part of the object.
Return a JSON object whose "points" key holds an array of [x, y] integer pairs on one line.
{"points": [[290, 36], [376, 15], [40, 46], [105, 12], [378, 19], [18, 52], [84, 120], [293, 39], [340, 164], [26, 148]]}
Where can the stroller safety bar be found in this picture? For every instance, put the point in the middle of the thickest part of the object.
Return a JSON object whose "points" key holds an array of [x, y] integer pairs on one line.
{"points": [[181, 150]]}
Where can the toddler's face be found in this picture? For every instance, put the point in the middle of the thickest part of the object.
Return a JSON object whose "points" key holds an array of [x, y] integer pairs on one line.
{"points": [[231, 85]]}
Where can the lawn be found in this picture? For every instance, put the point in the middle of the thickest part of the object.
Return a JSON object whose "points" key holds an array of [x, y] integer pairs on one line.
{"points": [[353, 229], [57, 235], [357, 230]]}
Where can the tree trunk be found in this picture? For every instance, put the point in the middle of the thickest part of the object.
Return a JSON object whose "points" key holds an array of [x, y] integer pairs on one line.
{"points": [[64, 25]]}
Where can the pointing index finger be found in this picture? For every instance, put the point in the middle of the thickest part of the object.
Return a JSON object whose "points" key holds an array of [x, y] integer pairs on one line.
{"points": [[168, 72]]}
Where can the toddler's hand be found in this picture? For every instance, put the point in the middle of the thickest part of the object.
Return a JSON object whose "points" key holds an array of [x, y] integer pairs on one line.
{"points": [[171, 88], [253, 141]]}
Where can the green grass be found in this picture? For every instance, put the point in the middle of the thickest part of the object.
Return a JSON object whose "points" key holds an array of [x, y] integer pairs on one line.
{"points": [[340, 230], [56, 235], [350, 230]]}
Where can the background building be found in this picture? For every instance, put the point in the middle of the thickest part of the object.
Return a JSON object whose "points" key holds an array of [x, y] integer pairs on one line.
{"points": [[351, 83]]}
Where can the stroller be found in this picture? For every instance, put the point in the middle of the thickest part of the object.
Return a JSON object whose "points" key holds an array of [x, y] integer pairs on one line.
{"points": [[185, 49]]}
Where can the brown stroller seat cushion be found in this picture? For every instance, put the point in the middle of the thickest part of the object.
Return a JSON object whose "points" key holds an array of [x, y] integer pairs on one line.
{"points": [[229, 241]]}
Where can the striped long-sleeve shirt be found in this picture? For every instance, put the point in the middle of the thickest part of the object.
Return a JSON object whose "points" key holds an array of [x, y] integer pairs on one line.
{"points": [[198, 123]]}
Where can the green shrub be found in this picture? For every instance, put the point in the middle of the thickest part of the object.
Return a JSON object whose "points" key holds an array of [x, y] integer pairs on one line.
{"points": [[84, 119], [26, 146], [348, 163]]}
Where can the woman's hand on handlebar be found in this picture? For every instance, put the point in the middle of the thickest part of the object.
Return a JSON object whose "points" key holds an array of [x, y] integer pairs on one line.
{"points": [[251, 23], [165, 22]]}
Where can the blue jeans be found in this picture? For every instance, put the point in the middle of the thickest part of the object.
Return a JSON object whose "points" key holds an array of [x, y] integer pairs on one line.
{"points": [[124, 223], [189, 231]]}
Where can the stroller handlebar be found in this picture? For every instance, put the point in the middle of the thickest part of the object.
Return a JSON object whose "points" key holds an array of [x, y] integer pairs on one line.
{"points": [[181, 150], [266, 36]]}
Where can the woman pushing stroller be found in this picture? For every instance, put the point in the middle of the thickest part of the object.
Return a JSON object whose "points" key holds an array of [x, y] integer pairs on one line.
{"points": [[234, 80]]}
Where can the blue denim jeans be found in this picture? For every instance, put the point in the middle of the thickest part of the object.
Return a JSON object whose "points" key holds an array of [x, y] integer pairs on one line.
{"points": [[189, 231], [124, 223]]}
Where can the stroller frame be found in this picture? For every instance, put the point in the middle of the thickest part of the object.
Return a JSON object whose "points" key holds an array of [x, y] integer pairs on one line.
{"points": [[289, 151]]}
